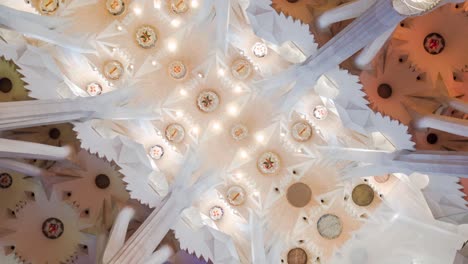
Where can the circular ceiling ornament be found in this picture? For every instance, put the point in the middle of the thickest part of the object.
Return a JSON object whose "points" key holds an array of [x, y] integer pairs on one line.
{"points": [[235, 195], [301, 131], [268, 163], [12, 85], [414, 7], [239, 132], [432, 138], [329, 226], [52, 228], [115, 7], [208, 101], [384, 91], [175, 133], [299, 194], [434, 43], [177, 70], [113, 70], [260, 49], [48, 7], [241, 69], [54, 133], [94, 89], [179, 6], [102, 181], [146, 37], [216, 213], [5, 85], [297, 256], [5, 180], [362, 195], [320, 112], [382, 179], [156, 152]]}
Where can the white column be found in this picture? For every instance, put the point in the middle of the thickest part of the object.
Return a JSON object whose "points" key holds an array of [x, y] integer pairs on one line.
{"points": [[369, 52], [41, 112], [377, 162], [22, 167], [119, 231], [444, 123], [28, 150], [41, 27], [256, 238], [343, 12], [140, 246], [160, 255]]}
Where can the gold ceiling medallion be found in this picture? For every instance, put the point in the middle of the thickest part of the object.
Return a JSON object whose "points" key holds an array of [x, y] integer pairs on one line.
{"points": [[414, 7], [179, 6], [146, 36], [362, 195], [235, 195], [241, 69], [94, 89], [113, 70], [297, 256], [268, 163], [115, 7], [329, 226], [177, 70], [175, 133], [156, 152], [239, 132], [216, 213], [208, 101], [48, 7], [299, 194], [301, 131]]}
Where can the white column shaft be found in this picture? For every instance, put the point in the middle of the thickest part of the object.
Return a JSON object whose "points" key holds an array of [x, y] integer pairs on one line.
{"points": [[118, 233], [28, 150], [343, 12]]}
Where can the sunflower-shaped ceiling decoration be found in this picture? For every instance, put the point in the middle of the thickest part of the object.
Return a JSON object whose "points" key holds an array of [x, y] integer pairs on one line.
{"points": [[12, 86], [176, 104]]}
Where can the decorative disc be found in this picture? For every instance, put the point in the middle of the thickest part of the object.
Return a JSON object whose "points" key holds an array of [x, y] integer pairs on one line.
{"points": [[363, 195], [177, 70], [146, 37], [299, 194], [175, 133], [156, 152], [5, 180], [297, 256], [320, 112], [329, 226], [239, 131], [301, 131], [102, 181], [52, 228], [260, 49], [241, 69], [268, 163], [48, 7], [94, 89], [235, 195], [208, 101], [179, 6], [414, 7], [115, 7], [113, 70], [382, 179], [434, 43], [216, 213]]}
